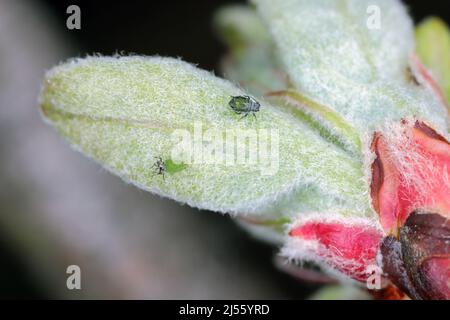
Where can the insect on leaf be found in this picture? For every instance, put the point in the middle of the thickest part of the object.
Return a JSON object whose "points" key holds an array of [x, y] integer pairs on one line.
{"points": [[125, 111]]}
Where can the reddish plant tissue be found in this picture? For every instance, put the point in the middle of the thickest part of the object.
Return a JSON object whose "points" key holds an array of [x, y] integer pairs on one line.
{"points": [[410, 191], [436, 274], [393, 196], [414, 212], [418, 262], [348, 248]]}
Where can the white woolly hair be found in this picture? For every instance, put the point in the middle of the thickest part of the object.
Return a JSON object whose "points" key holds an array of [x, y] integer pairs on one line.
{"points": [[405, 155], [300, 250]]}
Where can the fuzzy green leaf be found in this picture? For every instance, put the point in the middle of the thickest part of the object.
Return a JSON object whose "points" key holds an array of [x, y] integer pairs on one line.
{"points": [[433, 48], [329, 123], [240, 26], [337, 54], [251, 60], [126, 111]]}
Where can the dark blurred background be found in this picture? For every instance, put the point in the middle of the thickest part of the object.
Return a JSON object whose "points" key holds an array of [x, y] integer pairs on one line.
{"points": [[169, 28], [223, 257]]}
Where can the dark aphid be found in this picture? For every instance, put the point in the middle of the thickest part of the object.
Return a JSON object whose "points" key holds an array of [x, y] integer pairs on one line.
{"points": [[244, 105], [160, 166]]}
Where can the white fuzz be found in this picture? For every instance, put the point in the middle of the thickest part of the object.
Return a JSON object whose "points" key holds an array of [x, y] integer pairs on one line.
{"points": [[301, 250], [416, 167], [122, 112], [332, 56]]}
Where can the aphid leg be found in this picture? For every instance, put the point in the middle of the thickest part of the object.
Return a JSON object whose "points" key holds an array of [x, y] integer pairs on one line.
{"points": [[245, 115]]}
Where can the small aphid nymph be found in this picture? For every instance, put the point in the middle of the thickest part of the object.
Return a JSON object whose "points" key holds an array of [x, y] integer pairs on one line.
{"points": [[160, 166], [244, 105]]}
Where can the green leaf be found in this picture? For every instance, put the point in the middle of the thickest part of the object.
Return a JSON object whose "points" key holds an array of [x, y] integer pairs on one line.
{"points": [[126, 111], [335, 56], [433, 48], [240, 26], [251, 60], [256, 70], [341, 292], [329, 123]]}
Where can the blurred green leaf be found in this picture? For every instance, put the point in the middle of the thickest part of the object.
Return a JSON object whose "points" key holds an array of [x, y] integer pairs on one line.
{"points": [[251, 62], [340, 292], [433, 48], [239, 25]]}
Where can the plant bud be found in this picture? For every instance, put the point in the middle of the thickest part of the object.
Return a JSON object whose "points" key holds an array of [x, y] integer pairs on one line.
{"points": [[419, 262]]}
